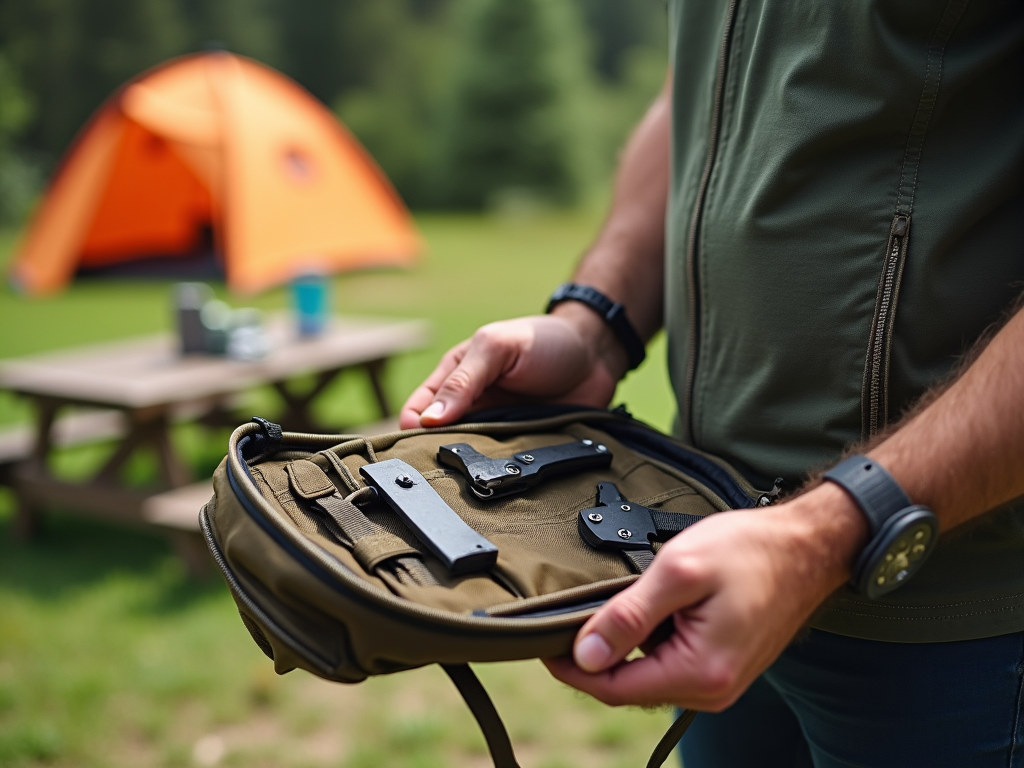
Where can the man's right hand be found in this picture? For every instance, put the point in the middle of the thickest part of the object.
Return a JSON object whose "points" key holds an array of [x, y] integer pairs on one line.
{"points": [[566, 357]]}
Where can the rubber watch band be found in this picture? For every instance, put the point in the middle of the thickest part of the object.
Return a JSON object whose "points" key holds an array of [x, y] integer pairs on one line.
{"points": [[903, 534], [612, 312], [876, 492]]}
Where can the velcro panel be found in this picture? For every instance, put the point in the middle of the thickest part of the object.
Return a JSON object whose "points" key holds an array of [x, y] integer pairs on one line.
{"points": [[308, 480]]}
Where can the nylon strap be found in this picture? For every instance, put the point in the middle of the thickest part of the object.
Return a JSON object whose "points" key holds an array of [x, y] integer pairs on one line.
{"points": [[498, 742], [640, 559], [672, 522], [487, 717], [671, 738], [372, 546]]}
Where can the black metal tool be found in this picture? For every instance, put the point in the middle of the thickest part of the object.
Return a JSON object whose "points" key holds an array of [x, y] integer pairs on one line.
{"points": [[437, 525], [492, 478], [617, 523]]}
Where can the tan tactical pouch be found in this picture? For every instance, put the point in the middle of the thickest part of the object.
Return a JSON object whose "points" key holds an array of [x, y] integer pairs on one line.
{"points": [[328, 578]]}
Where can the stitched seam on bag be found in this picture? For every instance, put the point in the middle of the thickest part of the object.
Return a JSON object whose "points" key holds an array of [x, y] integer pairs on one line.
{"points": [[941, 605]]}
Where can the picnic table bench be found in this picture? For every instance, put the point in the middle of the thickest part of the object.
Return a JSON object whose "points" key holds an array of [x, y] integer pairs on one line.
{"points": [[138, 388]]}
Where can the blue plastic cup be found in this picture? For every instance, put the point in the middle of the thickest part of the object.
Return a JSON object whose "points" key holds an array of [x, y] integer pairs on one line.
{"points": [[311, 299]]}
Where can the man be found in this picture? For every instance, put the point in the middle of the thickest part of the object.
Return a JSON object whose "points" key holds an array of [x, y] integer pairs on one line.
{"points": [[842, 186]]}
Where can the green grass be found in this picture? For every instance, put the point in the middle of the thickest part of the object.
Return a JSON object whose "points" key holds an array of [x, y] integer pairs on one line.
{"points": [[111, 656]]}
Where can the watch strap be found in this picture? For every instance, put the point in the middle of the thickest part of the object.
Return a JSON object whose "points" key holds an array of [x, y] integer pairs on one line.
{"points": [[874, 490], [612, 312]]}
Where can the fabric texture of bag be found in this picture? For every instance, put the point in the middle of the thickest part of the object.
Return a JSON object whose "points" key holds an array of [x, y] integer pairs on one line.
{"points": [[329, 578]]}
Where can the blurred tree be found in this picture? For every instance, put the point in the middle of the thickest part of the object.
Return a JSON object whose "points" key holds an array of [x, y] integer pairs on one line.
{"points": [[421, 82], [71, 54], [619, 29], [512, 128], [19, 179]]}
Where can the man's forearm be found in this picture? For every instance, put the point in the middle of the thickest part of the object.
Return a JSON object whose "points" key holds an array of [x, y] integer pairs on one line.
{"points": [[963, 453]]}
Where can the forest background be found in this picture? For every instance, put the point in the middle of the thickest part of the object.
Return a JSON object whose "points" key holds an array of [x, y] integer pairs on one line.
{"points": [[467, 104]]}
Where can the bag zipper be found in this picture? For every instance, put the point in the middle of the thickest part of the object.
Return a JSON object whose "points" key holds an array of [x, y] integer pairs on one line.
{"points": [[698, 210]]}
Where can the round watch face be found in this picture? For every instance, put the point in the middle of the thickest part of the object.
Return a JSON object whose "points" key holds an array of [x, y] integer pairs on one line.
{"points": [[899, 550]]}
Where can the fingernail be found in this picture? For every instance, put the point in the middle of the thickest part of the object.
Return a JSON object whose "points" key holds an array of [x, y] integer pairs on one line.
{"points": [[434, 410], [592, 653]]}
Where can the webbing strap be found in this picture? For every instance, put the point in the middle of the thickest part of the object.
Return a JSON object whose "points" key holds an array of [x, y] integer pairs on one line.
{"points": [[487, 717], [671, 738], [498, 742], [640, 559], [672, 522]]}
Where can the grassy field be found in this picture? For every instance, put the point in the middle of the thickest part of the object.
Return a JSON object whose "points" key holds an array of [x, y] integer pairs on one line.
{"points": [[111, 656]]}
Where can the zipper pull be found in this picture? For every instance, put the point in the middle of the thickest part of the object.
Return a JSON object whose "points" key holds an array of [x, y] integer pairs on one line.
{"points": [[261, 444], [769, 498]]}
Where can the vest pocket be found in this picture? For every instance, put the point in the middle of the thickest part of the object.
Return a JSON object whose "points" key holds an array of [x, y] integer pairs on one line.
{"points": [[875, 392]]}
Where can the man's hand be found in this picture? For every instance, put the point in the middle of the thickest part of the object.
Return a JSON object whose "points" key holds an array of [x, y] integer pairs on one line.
{"points": [[548, 358], [736, 588]]}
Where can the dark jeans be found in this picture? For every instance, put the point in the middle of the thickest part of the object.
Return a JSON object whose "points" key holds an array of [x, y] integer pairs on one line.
{"points": [[839, 702]]}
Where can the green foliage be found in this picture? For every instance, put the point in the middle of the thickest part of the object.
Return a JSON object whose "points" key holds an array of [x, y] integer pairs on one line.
{"points": [[537, 98], [19, 179], [511, 126]]}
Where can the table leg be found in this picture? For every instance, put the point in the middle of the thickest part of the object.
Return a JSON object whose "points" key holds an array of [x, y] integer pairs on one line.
{"points": [[298, 416], [153, 429], [28, 514], [375, 369]]}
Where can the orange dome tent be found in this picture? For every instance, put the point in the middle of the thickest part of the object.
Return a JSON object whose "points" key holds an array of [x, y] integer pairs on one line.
{"points": [[214, 143]]}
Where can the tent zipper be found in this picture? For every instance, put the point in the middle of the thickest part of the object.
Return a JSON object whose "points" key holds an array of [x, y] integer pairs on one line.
{"points": [[876, 402], [695, 222]]}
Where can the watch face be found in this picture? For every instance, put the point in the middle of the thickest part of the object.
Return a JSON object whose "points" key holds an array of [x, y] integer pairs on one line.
{"points": [[900, 549]]}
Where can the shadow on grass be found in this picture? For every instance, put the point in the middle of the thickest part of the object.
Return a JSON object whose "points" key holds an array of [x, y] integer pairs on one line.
{"points": [[71, 554]]}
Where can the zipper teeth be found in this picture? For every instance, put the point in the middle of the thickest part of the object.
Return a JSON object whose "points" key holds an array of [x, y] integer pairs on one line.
{"points": [[691, 250], [881, 333]]}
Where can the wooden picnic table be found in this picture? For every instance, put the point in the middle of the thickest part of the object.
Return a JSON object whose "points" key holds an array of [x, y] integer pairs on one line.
{"points": [[151, 385]]}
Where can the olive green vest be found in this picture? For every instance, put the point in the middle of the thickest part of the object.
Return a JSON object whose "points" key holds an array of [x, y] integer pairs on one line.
{"points": [[846, 219]]}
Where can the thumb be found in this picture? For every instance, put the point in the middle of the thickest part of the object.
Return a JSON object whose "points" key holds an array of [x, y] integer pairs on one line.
{"points": [[629, 618], [478, 368]]}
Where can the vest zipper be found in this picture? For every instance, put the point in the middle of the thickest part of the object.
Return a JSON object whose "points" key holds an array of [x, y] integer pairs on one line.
{"points": [[698, 209], [876, 403]]}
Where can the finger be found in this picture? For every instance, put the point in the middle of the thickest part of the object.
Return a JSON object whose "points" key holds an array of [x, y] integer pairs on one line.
{"points": [[425, 393], [482, 363], [625, 621], [671, 675]]}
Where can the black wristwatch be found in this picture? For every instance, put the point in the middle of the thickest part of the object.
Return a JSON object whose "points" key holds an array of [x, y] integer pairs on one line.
{"points": [[903, 534], [612, 311]]}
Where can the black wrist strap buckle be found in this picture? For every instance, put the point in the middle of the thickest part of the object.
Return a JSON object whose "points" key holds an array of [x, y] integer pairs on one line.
{"points": [[612, 312]]}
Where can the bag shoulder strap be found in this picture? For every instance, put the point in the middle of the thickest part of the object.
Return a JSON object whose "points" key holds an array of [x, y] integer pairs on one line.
{"points": [[496, 736], [487, 717]]}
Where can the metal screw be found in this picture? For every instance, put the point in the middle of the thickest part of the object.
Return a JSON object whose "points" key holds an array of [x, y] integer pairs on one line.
{"points": [[527, 458], [512, 469], [625, 507], [602, 449], [404, 481], [595, 517], [588, 442], [625, 533], [456, 450]]}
